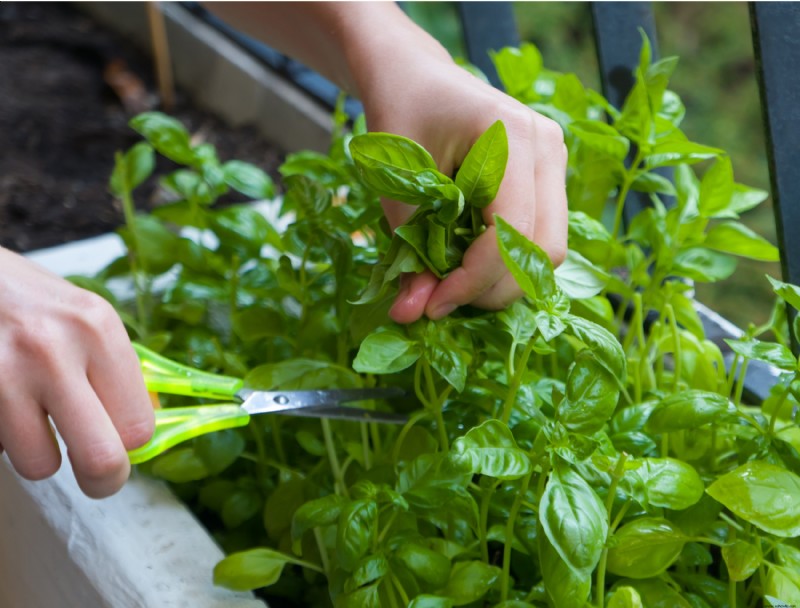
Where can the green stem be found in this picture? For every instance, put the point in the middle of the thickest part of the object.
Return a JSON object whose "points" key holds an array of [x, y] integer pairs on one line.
{"points": [[486, 500], [676, 346], [731, 593], [416, 417], [333, 459], [323, 554], [774, 417], [129, 212], [623, 192], [737, 398], [512, 517], [516, 381], [365, 452]]}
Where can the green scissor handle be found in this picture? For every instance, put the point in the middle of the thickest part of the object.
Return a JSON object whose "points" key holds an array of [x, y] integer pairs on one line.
{"points": [[163, 375], [175, 425], [178, 424]]}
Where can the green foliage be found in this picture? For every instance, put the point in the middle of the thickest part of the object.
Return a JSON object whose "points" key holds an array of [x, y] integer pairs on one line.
{"points": [[557, 453]]}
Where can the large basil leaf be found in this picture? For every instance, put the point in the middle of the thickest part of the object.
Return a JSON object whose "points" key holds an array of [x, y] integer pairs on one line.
{"points": [[386, 351], [355, 532], [565, 587], [490, 449], [663, 482], [688, 410], [764, 494], [645, 548], [592, 394], [250, 569], [470, 581], [574, 519], [482, 171]]}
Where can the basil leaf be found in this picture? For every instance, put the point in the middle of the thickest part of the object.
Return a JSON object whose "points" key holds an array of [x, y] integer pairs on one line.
{"points": [[165, 134], [518, 69], [323, 511], [689, 409], [600, 137], [430, 601], [665, 482], [527, 262], [787, 292], [579, 278], [356, 531], [131, 169], [601, 342], [470, 581], [592, 394], [252, 569], [385, 352], [702, 264], [738, 239], [248, 179], [482, 171], [490, 449], [716, 188], [625, 597], [774, 354], [764, 494], [574, 519], [644, 548], [742, 559], [670, 153], [565, 587], [372, 568], [430, 567]]}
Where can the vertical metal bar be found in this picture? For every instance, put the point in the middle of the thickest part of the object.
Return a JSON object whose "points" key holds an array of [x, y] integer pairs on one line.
{"points": [[487, 26], [776, 42], [618, 42]]}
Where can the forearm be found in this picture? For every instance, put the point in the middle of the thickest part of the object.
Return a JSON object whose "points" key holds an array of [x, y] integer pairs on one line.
{"points": [[350, 43]]}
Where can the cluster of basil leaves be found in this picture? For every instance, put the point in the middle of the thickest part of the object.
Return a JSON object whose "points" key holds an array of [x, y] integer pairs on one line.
{"points": [[558, 453]]}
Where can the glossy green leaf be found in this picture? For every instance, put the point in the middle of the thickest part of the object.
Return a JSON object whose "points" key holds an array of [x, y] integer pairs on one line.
{"points": [[430, 601], [667, 482], [702, 264], [651, 182], [565, 588], [431, 568], [592, 394], [527, 262], [689, 409], [355, 532], [742, 559], [601, 342], [470, 581], [672, 153], [518, 69], [323, 511], [716, 188], [579, 278], [574, 519], [764, 494], [490, 449], [786, 291], [248, 179], [483, 168], [625, 597], [601, 137], [774, 354], [386, 352], [644, 548], [250, 569], [179, 466], [738, 239], [131, 169], [166, 134], [370, 569]]}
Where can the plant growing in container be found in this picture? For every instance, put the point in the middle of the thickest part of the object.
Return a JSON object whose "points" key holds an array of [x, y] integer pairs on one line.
{"points": [[559, 453]]}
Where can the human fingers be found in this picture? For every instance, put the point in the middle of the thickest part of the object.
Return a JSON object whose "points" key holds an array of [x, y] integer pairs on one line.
{"points": [[532, 193], [28, 437], [415, 291]]}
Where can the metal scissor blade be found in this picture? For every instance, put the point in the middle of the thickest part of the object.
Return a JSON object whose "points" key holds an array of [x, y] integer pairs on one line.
{"points": [[317, 403]]}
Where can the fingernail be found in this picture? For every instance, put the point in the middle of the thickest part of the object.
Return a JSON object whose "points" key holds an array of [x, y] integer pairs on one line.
{"points": [[442, 311]]}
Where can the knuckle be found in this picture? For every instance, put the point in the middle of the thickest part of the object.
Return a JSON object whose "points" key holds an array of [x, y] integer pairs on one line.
{"points": [[95, 314], [551, 136], [101, 462]]}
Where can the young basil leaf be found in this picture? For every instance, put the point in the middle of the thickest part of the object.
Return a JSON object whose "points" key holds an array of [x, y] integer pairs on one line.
{"points": [[676, 152], [592, 394], [490, 449], [370, 569], [625, 597], [574, 519], [180, 466], [645, 548], [385, 352], [600, 137], [431, 568], [518, 69], [356, 531], [242, 228], [550, 325], [665, 482], [527, 262], [742, 559], [166, 134], [323, 511], [565, 587], [787, 292], [738, 239], [703, 264], [774, 354], [764, 494], [248, 179], [131, 169], [651, 182], [470, 581], [240, 506], [716, 188], [219, 450], [689, 409], [579, 278], [483, 168], [251, 569], [602, 343], [636, 120]]}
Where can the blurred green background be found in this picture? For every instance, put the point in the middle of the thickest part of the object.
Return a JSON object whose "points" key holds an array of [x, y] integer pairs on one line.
{"points": [[715, 78]]}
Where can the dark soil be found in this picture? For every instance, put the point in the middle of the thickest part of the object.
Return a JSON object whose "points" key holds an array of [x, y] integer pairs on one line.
{"points": [[61, 123]]}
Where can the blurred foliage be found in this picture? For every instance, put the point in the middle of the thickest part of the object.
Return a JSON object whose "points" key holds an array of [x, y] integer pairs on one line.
{"points": [[715, 78]]}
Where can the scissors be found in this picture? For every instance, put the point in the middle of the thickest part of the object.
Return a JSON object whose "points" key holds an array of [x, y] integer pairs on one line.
{"points": [[175, 425]]}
